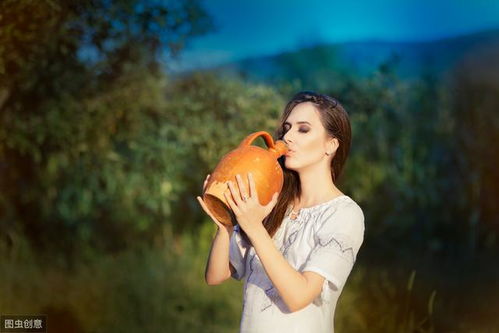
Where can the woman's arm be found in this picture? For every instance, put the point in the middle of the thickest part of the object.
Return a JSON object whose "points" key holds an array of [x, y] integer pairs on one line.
{"points": [[218, 268], [296, 289]]}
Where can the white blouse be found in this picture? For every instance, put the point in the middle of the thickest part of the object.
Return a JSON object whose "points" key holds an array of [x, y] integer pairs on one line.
{"points": [[324, 239]]}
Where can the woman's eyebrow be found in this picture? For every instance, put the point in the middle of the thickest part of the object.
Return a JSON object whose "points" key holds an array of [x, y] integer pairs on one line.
{"points": [[298, 122]]}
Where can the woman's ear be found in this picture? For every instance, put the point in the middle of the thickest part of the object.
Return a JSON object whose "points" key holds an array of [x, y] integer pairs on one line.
{"points": [[332, 146]]}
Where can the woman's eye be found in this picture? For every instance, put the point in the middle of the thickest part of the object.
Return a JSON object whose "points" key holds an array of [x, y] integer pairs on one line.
{"points": [[301, 129]]}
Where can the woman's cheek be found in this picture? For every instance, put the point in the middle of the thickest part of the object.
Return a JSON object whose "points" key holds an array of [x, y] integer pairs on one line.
{"points": [[288, 162]]}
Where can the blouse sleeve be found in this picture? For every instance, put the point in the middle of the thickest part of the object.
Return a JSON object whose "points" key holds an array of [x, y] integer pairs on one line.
{"points": [[238, 249], [337, 239]]}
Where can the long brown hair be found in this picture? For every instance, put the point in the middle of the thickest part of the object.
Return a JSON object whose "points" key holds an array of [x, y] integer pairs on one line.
{"points": [[335, 120]]}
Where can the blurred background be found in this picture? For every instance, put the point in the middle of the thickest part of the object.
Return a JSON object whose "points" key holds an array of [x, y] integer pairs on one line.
{"points": [[112, 112]]}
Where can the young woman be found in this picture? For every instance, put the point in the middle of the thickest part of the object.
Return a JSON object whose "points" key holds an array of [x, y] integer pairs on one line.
{"points": [[296, 253]]}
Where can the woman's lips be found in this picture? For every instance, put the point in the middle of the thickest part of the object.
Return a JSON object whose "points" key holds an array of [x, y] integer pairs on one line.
{"points": [[289, 153]]}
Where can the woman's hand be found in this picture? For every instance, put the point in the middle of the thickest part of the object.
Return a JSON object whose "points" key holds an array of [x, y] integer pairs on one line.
{"points": [[246, 205], [221, 226]]}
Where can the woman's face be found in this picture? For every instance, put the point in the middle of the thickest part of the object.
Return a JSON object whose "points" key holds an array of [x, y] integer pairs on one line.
{"points": [[306, 138]]}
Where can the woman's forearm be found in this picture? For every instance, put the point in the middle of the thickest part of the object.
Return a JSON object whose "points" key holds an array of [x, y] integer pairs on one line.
{"points": [[294, 288], [217, 266]]}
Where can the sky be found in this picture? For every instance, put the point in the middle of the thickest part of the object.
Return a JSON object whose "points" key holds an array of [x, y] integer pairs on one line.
{"points": [[250, 28]]}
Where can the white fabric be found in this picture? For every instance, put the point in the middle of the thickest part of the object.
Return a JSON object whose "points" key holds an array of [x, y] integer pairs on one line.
{"points": [[324, 239]]}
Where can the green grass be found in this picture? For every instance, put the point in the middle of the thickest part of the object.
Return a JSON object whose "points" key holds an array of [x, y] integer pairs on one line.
{"points": [[162, 290]]}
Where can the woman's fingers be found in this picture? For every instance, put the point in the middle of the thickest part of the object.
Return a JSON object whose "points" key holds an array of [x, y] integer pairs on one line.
{"points": [[271, 204], [242, 188], [203, 205], [206, 182], [207, 211], [235, 195], [253, 193], [229, 196]]}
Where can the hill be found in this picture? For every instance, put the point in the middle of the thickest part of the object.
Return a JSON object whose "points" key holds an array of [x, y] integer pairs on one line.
{"points": [[320, 63]]}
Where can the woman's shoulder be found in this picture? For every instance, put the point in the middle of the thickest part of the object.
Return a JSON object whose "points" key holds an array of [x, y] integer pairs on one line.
{"points": [[344, 211], [342, 204], [351, 206]]}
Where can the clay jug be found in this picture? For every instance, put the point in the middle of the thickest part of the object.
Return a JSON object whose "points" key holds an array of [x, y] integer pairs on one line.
{"points": [[263, 165]]}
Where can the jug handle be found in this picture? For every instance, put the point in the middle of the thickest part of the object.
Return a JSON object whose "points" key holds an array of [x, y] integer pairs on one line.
{"points": [[266, 136], [279, 147]]}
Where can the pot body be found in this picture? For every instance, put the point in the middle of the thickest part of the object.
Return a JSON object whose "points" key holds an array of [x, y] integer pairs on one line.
{"points": [[262, 163]]}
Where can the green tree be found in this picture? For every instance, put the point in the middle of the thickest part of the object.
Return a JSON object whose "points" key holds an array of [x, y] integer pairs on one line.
{"points": [[78, 79]]}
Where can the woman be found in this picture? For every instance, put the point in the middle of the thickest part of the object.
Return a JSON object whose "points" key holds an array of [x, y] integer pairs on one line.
{"points": [[296, 252]]}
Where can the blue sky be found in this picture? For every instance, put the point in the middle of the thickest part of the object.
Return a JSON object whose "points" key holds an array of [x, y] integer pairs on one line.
{"points": [[260, 27]]}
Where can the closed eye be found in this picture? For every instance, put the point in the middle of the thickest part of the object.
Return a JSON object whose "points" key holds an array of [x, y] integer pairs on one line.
{"points": [[286, 127]]}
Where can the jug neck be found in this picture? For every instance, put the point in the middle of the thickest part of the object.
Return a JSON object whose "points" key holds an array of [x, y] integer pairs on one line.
{"points": [[280, 148]]}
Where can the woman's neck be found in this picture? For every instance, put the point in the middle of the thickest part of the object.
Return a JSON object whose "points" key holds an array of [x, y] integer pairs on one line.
{"points": [[317, 186]]}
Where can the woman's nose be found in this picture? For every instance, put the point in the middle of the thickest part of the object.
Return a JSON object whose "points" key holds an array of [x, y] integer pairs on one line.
{"points": [[287, 137]]}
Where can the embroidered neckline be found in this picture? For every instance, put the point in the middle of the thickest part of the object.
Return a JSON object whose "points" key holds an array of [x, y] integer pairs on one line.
{"points": [[294, 215]]}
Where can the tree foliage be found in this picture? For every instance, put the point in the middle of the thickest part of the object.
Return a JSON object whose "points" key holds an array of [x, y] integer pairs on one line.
{"points": [[100, 149], [81, 83]]}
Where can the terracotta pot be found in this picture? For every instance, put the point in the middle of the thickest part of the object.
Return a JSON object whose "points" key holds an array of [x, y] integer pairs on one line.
{"points": [[262, 163]]}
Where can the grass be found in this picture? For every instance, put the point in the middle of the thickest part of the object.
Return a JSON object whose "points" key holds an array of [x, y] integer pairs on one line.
{"points": [[162, 289]]}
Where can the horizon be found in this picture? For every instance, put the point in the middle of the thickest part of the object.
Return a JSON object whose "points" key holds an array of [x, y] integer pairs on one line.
{"points": [[238, 37], [180, 67]]}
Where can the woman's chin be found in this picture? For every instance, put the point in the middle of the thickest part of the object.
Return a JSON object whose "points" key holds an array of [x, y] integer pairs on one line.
{"points": [[289, 166]]}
